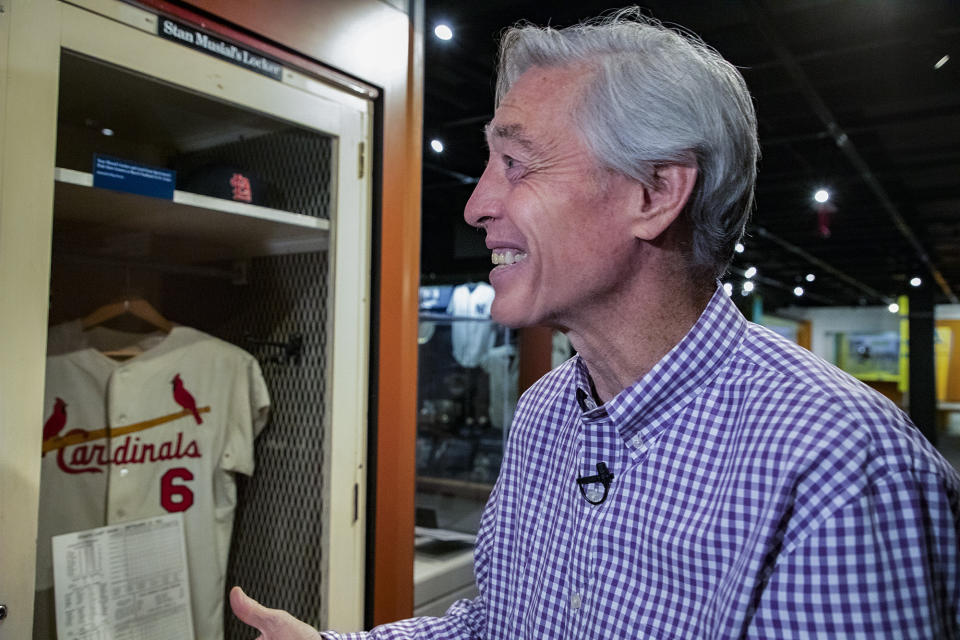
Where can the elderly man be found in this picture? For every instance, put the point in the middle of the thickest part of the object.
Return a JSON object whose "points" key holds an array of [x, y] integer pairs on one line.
{"points": [[687, 474]]}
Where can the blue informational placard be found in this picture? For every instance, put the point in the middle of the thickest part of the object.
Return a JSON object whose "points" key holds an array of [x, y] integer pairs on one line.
{"points": [[131, 177]]}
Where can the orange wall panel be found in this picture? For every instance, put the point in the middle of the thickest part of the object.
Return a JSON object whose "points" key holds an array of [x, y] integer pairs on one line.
{"points": [[536, 355], [953, 374]]}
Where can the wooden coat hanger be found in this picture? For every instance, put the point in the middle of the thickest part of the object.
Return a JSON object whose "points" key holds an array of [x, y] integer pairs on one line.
{"points": [[137, 307]]}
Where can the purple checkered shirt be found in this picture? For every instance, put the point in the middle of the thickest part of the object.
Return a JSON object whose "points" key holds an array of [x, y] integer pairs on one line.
{"points": [[758, 492]]}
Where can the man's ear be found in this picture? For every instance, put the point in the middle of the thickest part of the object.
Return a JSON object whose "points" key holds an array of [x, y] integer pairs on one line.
{"points": [[659, 206]]}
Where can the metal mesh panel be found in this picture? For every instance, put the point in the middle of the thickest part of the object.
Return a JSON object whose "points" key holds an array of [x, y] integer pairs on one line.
{"points": [[276, 552], [296, 166], [277, 546], [278, 531]]}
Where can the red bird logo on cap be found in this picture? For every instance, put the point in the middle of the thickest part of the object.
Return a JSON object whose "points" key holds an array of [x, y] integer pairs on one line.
{"points": [[185, 399], [56, 421]]}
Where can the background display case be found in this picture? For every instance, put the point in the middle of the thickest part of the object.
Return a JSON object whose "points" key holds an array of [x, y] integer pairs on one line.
{"points": [[467, 392]]}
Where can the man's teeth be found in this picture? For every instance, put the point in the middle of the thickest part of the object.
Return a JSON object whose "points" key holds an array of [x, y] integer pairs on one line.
{"points": [[507, 257]]}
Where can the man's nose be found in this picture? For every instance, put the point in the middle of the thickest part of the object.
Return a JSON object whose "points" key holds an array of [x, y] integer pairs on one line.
{"points": [[485, 203]]}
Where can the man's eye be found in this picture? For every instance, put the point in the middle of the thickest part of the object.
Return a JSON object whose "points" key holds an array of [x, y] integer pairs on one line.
{"points": [[513, 169]]}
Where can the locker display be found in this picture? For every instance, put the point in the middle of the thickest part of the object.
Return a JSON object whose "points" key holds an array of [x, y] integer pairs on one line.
{"points": [[242, 249]]}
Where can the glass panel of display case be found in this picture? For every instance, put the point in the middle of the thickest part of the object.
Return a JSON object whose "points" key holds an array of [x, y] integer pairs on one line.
{"points": [[467, 392]]}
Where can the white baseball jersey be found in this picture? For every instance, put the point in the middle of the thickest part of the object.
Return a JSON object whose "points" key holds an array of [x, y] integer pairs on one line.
{"points": [[163, 432], [471, 340], [503, 370]]}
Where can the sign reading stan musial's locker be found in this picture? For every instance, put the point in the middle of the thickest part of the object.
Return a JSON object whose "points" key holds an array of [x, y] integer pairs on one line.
{"points": [[191, 37]]}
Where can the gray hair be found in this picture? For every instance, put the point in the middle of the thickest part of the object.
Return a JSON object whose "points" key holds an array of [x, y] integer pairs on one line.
{"points": [[659, 97]]}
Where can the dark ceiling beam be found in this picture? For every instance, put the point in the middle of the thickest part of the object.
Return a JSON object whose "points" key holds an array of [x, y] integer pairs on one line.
{"points": [[781, 181], [468, 121], [788, 181], [872, 124], [772, 36], [941, 35], [461, 178], [450, 98], [446, 186], [820, 264]]}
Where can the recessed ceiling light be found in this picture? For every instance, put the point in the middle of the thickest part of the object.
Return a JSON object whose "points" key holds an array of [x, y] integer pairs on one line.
{"points": [[893, 307], [750, 272], [798, 291], [915, 282], [107, 132], [821, 196], [739, 248], [443, 32], [436, 145], [942, 61], [747, 286], [811, 277], [727, 288]]}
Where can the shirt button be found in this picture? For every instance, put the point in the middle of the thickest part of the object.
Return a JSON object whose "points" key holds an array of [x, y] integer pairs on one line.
{"points": [[638, 442], [590, 404], [575, 601], [124, 471]]}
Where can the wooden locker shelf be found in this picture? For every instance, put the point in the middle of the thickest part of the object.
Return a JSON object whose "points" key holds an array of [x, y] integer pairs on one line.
{"points": [[191, 227]]}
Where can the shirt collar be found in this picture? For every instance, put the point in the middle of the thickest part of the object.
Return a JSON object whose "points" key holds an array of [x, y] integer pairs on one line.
{"points": [[645, 406]]}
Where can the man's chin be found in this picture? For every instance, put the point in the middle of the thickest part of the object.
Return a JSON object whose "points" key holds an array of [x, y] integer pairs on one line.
{"points": [[512, 315], [504, 314]]}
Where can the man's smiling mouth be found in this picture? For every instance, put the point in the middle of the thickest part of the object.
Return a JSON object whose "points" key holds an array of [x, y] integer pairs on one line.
{"points": [[507, 256]]}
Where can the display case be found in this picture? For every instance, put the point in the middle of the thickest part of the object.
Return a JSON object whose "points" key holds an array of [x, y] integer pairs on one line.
{"points": [[874, 357], [263, 242], [467, 392]]}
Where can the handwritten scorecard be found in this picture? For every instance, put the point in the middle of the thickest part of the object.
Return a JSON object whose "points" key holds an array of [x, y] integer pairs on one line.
{"points": [[123, 581]]}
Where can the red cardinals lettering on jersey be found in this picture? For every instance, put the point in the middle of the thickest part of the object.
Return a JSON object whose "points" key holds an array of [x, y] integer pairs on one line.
{"points": [[129, 451]]}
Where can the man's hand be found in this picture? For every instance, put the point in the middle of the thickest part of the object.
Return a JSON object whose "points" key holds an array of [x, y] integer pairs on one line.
{"points": [[273, 624]]}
